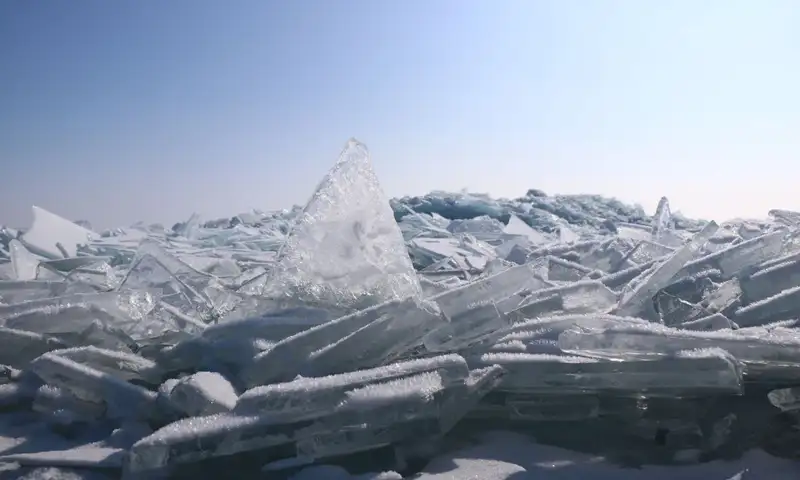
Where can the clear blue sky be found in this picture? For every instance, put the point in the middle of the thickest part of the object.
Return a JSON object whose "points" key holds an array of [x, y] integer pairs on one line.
{"points": [[116, 111]]}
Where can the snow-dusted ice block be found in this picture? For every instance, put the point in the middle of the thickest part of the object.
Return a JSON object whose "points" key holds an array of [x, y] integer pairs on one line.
{"points": [[766, 353], [49, 232], [771, 280], [633, 301], [377, 343], [708, 371], [515, 226], [18, 347], [274, 326], [661, 220], [305, 396], [125, 366], [580, 297], [387, 407], [559, 323], [346, 246], [385, 404], [203, 393], [198, 438], [713, 322], [732, 260], [286, 358], [468, 328], [491, 289], [87, 456], [127, 310], [781, 306], [412, 425], [49, 399], [787, 399], [122, 399], [24, 263]]}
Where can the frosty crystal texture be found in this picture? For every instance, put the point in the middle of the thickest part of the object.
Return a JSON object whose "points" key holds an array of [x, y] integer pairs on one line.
{"points": [[361, 331], [345, 246]]}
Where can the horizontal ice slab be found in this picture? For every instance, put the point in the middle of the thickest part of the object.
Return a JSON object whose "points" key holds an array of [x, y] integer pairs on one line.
{"points": [[307, 395], [123, 400], [713, 371]]}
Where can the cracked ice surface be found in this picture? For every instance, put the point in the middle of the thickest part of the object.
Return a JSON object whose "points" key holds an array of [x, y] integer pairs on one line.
{"points": [[362, 337]]}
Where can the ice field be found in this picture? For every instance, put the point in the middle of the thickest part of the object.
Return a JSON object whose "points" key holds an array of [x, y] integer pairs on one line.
{"points": [[451, 336]]}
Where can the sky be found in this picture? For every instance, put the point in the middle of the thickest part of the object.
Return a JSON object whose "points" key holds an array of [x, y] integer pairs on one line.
{"points": [[133, 110]]}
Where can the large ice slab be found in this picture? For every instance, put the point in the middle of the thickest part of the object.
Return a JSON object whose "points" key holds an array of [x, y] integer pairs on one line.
{"points": [[55, 237], [346, 246]]}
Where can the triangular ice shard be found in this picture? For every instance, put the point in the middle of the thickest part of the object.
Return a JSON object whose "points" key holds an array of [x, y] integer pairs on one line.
{"points": [[346, 247], [516, 226], [661, 219]]}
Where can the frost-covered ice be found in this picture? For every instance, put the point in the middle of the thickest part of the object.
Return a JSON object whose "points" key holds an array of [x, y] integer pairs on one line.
{"points": [[361, 337]]}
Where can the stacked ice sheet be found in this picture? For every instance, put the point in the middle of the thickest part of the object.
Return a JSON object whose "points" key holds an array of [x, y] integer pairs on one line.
{"points": [[277, 340]]}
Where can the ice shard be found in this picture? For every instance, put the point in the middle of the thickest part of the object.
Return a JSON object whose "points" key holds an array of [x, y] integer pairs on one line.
{"points": [[203, 393], [516, 226], [307, 395], [346, 247], [122, 399], [661, 220], [51, 236], [634, 301], [495, 288], [19, 347], [24, 263]]}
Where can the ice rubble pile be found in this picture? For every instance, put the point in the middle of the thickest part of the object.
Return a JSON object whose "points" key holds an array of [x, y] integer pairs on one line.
{"points": [[308, 336]]}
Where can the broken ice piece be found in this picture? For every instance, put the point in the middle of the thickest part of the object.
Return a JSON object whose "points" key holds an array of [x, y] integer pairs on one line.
{"points": [[49, 399], [203, 393], [15, 395], [634, 301], [123, 400], [24, 263], [346, 246], [770, 281], [550, 327], [384, 404], [125, 366], [715, 321], [198, 438], [565, 271], [713, 371], [18, 347], [773, 355], [491, 289], [727, 295], [49, 230], [466, 329], [741, 256], [516, 226], [379, 342], [781, 306], [306, 395], [580, 297], [787, 399], [362, 437], [84, 456], [661, 220], [284, 359]]}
